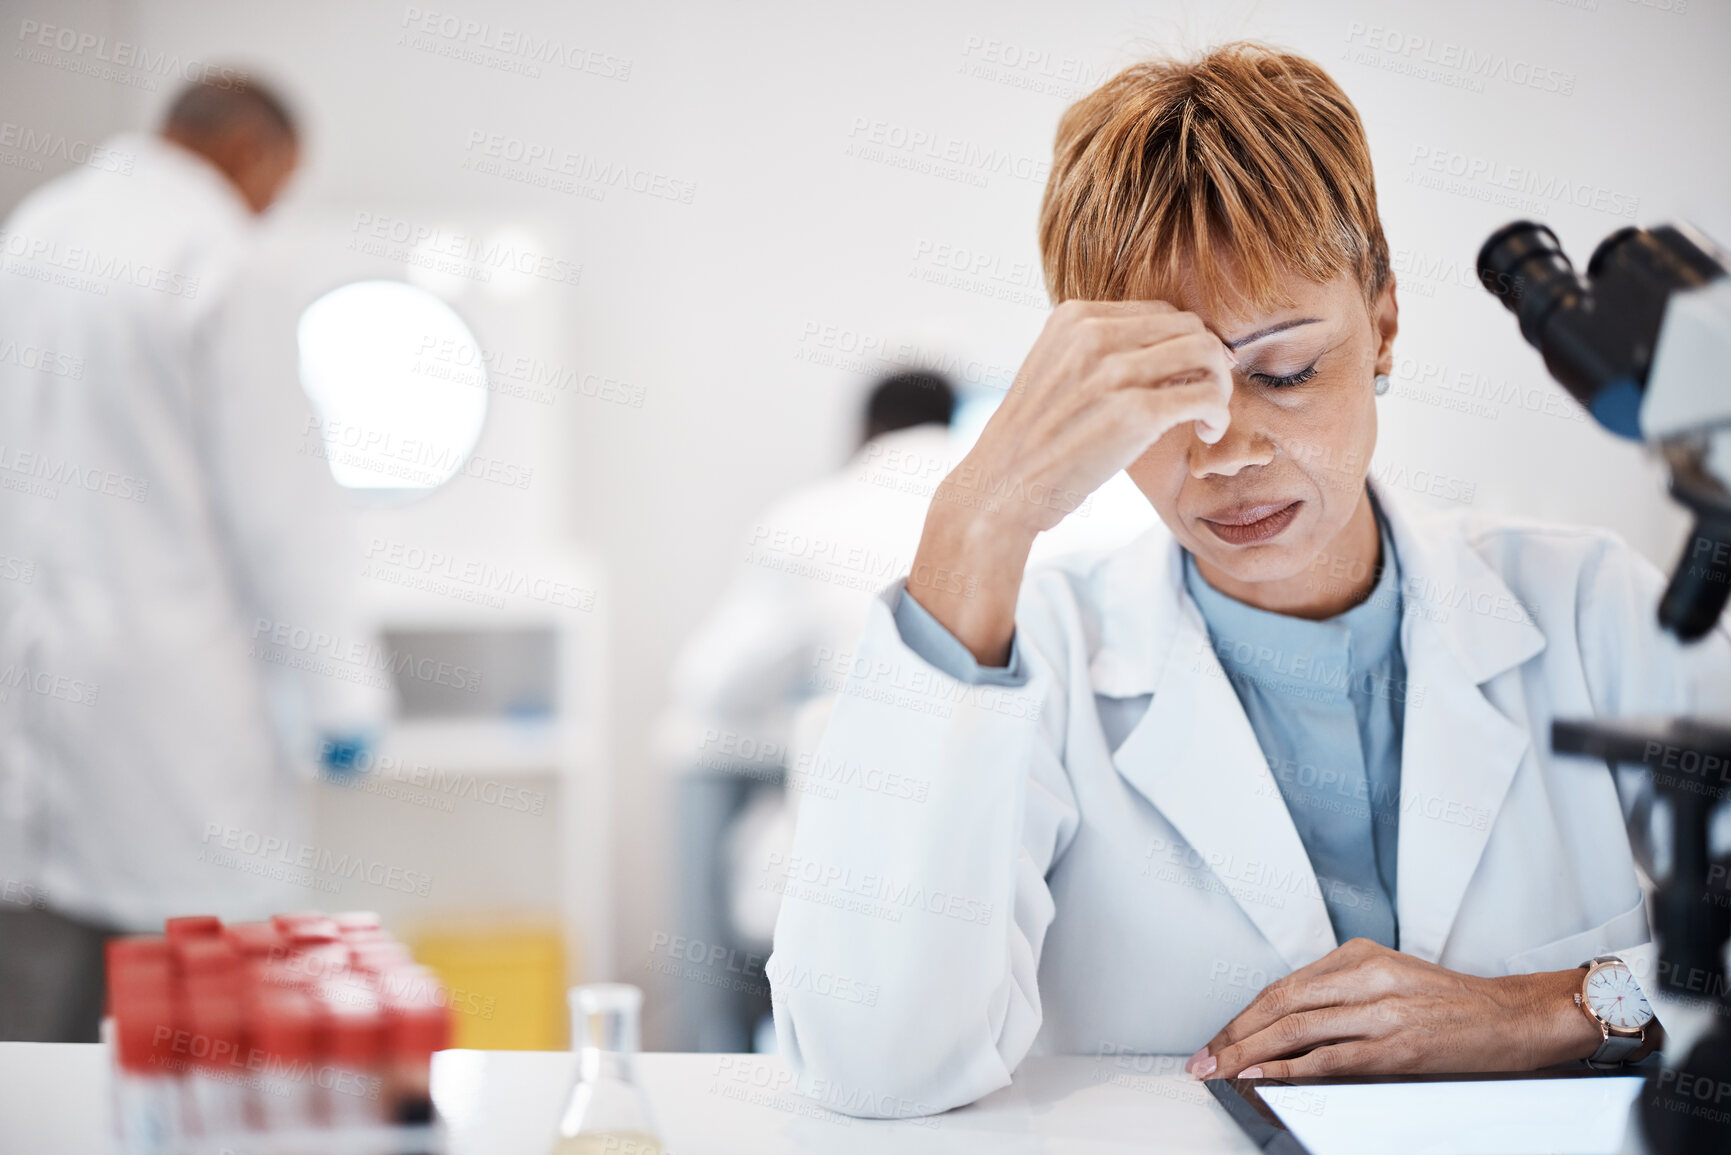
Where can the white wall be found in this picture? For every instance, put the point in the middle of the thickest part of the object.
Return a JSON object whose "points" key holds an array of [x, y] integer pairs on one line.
{"points": [[710, 308]]}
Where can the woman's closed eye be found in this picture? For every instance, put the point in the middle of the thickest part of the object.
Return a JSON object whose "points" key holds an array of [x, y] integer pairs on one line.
{"points": [[1297, 378]]}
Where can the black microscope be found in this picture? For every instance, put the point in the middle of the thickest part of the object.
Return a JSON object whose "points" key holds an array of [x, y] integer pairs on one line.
{"points": [[1642, 340]]}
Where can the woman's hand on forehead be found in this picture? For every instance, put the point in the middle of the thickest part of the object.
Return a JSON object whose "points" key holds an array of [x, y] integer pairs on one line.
{"points": [[1103, 382]]}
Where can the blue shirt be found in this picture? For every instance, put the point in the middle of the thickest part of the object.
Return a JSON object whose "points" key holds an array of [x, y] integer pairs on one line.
{"points": [[1325, 700]]}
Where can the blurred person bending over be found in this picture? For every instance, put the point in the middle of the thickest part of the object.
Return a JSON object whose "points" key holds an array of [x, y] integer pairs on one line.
{"points": [[161, 531], [757, 673]]}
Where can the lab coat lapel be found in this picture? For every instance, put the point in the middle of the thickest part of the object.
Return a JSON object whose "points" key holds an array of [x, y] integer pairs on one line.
{"points": [[1196, 758], [1459, 752]]}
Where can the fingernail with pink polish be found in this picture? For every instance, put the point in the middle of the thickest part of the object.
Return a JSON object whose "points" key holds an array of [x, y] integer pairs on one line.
{"points": [[1250, 1073], [1206, 1067], [1190, 1063]]}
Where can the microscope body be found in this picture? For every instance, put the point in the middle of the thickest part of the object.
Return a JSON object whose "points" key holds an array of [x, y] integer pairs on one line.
{"points": [[1642, 341]]}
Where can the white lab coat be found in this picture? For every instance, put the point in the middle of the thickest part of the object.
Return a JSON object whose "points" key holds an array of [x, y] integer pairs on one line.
{"points": [[755, 683], [809, 567], [747, 688], [1037, 890], [158, 492]]}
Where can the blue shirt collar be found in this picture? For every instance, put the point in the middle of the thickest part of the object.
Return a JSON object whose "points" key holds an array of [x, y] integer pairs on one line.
{"points": [[1297, 655]]}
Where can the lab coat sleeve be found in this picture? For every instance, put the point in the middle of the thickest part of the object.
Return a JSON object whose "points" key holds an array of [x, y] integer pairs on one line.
{"points": [[926, 636], [913, 914], [294, 536], [1635, 669]]}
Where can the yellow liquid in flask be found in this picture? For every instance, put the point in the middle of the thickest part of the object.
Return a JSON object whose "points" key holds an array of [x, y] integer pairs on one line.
{"points": [[608, 1143]]}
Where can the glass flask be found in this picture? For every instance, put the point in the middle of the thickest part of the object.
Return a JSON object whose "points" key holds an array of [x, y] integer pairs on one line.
{"points": [[606, 1112]]}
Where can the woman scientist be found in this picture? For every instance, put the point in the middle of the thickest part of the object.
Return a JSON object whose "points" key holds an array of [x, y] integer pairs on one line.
{"points": [[1285, 768]]}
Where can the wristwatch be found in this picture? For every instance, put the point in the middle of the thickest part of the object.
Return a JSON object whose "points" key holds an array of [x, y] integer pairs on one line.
{"points": [[1611, 997]]}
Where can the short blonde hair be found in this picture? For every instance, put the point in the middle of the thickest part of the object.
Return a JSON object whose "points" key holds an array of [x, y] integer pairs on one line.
{"points": [[1247, 153]]}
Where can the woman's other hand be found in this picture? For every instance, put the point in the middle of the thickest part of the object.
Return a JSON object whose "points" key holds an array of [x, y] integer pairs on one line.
{"points": [[1103, 382], [1363, 1009]]}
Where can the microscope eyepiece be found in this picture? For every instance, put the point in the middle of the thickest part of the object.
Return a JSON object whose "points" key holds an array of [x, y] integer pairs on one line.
{"points": [[1598, 334], [1585, 329], [1523, 266]]}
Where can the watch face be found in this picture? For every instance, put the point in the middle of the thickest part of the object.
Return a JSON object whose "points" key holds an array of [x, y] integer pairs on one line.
{"points": [[1615, 997]]}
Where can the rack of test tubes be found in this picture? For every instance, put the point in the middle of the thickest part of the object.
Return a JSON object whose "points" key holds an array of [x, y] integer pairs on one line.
{"points": [[307, 1033]]}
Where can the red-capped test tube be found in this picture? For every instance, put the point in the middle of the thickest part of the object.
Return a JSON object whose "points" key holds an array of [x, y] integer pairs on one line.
{"points": [[141, 1028], [213, 1040], [286, 1024], [417, 1023]]}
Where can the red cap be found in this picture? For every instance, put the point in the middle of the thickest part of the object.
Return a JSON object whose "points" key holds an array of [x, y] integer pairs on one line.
{"points": [[417, 1014], [144, 1026], [313, 931], [200, 957], [141, 965], [146, 956], [137, 948], [356, 920], [254, 939], [354, 1025], [192, 926], [366, 938], [285, 1024], [378, 957], [286, 922], [329, 960], [409, 982], [416, 1030], [216, 1021], [279, 974]]}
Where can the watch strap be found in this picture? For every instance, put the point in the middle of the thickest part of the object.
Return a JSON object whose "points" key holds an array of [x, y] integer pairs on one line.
{"points": [[1616, 1049]]}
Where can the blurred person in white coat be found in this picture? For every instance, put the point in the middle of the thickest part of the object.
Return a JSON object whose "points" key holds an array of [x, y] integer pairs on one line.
{"points": [[753, 678], [173, 551], [812, 562], [1271, 788]]}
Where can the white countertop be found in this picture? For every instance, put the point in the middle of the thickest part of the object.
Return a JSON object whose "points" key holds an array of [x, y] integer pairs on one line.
{"points": [[54, 1099]]}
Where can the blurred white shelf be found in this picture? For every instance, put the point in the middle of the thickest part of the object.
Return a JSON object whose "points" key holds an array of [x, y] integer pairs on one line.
{"points": [[531, 627], [480, 746]]}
